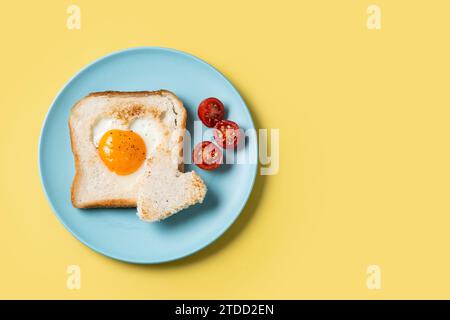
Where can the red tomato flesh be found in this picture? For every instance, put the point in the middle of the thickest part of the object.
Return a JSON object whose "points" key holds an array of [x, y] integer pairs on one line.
{"points": [[210, 111], [207, 156], [227, 133]]}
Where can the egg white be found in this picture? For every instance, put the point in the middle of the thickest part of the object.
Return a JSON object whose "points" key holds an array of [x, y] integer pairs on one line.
{"points": [[147, 127], [102, 126], [151, 132]]}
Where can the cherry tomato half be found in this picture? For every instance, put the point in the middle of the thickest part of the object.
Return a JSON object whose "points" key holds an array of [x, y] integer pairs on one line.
{"points": [[207, 156], [227, 133], [210, 111]]}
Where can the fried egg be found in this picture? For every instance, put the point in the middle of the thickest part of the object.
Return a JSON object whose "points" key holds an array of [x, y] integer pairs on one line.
{"points": [[123, 146]]}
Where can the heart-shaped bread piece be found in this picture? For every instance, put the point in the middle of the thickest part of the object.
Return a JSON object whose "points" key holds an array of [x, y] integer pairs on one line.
{"points": [[164, 190]]}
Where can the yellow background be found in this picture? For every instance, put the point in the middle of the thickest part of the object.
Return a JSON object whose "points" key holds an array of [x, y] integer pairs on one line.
{"points": [[364, 124]]}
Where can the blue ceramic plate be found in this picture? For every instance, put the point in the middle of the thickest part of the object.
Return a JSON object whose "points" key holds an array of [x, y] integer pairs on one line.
{"points": [[118, 233]]}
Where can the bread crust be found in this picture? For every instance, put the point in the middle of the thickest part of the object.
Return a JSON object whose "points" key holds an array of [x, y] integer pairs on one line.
{"points": [[116, 203]]}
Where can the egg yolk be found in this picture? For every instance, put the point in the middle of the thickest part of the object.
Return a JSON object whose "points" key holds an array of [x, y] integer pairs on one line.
{"points": [[123, 152]]}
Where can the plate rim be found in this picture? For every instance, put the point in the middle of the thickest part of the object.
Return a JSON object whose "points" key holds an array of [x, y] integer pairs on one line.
{"points": [[40, 157]]}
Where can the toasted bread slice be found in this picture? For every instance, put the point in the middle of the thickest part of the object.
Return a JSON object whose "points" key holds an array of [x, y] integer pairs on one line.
{"points": [[94, 185], [164, 190]]}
